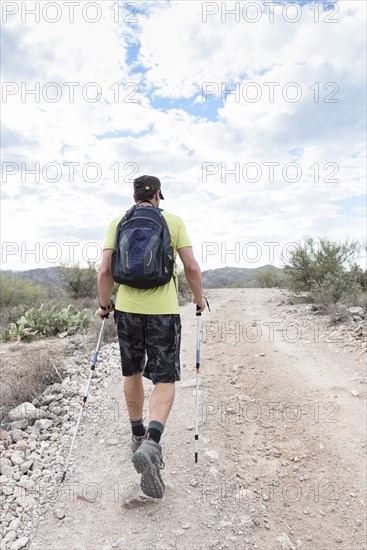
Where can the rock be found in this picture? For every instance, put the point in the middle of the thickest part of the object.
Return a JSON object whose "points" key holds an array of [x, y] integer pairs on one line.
{"points": [[47, 399], [20, 543], [355, 393], [20, 424], [16, 458], [26, 482], [6, 467], [262, 354], [59, 513], [3, 434], [26, 466], [14, 524], [214, 455], [25, 411], [243, 397], [357, 311], [21, 445], [43, 424], [17, 434], [9, 537], [285, 542], [194, 482]]}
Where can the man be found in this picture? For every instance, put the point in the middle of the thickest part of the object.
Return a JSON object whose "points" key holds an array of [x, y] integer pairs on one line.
{"points": [[149, 332]]}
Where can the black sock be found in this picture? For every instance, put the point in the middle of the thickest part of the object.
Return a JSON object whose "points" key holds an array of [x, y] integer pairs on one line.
{"points": [[154, 434], [155, 430], [137, 427]]}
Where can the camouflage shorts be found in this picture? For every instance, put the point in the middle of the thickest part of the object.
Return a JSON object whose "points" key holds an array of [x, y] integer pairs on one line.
{"points": [[150, 344]]}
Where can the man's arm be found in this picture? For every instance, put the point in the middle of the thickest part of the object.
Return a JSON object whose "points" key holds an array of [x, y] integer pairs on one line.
{"points": [[193, 275], [105, 281]]}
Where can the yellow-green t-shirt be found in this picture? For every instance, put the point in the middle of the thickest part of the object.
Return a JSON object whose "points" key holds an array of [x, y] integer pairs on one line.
{"points": [[160, 300]]}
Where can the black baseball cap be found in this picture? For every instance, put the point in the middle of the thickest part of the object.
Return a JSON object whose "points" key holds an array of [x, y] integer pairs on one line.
{"points": [[147, 183]]}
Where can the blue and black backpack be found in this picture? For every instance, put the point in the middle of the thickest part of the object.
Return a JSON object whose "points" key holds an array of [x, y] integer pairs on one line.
{"points": [[143, 255]]}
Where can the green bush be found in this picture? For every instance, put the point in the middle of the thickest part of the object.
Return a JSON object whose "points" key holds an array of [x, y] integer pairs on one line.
{"points": [[240, 284], [334, 286], [270, 278], [80, 282], [14, 291], [44, 323], [319, 264]]}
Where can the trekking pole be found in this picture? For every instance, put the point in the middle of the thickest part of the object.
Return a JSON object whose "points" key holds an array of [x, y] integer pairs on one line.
{"points": [[198, 316], [82, 404]]}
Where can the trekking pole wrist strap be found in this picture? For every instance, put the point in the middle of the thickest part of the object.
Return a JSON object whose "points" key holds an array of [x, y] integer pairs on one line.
{"points": [[107, 308]]}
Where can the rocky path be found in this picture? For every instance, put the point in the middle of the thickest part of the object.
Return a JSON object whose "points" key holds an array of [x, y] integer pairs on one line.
{"points": [[282, 444]]}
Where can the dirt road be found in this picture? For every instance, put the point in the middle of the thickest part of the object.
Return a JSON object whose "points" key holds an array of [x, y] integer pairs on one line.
{"points": [[281, 448]]}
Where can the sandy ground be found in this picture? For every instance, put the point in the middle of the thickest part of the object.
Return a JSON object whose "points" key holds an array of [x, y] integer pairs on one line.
{"points": [[281, 446]]}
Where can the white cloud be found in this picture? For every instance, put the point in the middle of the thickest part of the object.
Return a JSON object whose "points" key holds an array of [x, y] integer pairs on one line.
{"points": [[179, 53]]}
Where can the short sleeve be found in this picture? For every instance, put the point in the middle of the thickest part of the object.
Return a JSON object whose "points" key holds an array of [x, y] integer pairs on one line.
{"points": [[183, 238], [111, 235]]}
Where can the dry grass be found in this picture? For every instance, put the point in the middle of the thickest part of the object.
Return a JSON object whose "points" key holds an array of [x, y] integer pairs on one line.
{"points": [[109, 333], [26, 372]]}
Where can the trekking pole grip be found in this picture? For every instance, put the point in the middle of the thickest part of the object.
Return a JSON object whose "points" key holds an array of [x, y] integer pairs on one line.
{"points": [[198, 312]]}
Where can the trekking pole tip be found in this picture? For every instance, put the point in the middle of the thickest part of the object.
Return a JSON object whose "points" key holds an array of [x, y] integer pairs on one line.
{"points": [[63, 477]]}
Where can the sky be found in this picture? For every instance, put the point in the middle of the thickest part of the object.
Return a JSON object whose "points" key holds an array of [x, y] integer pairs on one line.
{"points": [[252, 115]]}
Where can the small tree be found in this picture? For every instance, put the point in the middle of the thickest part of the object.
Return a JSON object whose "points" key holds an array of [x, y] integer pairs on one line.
{"points": [[80, 282], [315, 260]]}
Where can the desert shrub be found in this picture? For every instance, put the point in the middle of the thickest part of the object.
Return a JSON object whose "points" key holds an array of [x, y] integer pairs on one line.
{"points": [[38, 369], [320, 264], [9, 315], [240, 284], [15, 291], [337, 285], [360, 276], [80, 282], [270, 278], [324, 268], [40, 322]]}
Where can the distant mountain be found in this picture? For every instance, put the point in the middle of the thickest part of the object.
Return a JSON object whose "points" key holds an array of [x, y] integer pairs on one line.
{"points": [[231, 276], [212, 278], [48, 275]]}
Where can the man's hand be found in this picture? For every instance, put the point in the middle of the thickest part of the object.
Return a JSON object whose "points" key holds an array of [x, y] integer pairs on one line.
{"points": [[201, 305], [105, 312]]}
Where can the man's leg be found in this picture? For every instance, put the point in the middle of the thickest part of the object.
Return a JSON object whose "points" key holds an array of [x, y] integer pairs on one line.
{"points": [[131, 335], [163, 368], [134, 395], [159, 408], [161, 402]]}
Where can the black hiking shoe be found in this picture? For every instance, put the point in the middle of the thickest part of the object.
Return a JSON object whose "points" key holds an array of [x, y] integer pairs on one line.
{"points": [[148, 462]]}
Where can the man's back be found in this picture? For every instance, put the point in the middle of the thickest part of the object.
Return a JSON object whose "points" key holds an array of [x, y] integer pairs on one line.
{"points": [[160, 300]]}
